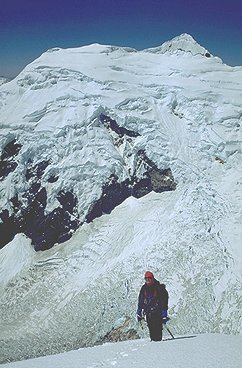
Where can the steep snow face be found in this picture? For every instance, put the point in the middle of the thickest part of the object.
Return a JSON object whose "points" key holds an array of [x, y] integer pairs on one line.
{"points": [[156, 133]]}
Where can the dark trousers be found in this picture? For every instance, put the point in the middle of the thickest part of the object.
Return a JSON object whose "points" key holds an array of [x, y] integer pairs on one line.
{"points": [[154, 322]]}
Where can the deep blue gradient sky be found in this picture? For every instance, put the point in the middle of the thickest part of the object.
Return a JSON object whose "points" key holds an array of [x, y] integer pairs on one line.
{"points": [[30, 27]]}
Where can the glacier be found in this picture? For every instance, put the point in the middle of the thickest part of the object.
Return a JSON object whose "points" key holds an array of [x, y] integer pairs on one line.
{"points": [[159, 128]]}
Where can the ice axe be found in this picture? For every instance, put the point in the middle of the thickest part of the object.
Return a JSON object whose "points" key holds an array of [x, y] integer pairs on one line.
{"points": [[164, 324], [172, 336]]}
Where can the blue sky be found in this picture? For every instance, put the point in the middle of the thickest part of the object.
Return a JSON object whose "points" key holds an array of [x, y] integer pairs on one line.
{"points": [[30, 27]]}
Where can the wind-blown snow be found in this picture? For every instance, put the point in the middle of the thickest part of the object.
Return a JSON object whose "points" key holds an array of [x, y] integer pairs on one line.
{"points": [[187, 108], [210, 351]]}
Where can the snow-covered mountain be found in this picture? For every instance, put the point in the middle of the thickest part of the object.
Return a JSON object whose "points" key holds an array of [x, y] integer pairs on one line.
{"points": [[115, 161]]}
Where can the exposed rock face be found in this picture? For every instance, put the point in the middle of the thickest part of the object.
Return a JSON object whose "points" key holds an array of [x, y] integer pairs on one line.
{"points": [[120, 131], [7, 160], [44, 230], [121, 333], [28, 210], [114, 193], [144, 178]]}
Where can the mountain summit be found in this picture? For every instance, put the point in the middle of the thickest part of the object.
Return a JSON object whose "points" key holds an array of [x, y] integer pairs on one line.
{"points": [[115, 161], [181, 44]]}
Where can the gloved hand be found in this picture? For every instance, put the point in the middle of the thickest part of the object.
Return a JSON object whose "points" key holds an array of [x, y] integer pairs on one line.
{"points": [[164, 316], [139, 314]]}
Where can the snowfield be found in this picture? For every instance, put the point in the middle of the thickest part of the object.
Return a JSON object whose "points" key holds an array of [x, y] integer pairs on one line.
{"points": [[200, 351], [68, 282]]}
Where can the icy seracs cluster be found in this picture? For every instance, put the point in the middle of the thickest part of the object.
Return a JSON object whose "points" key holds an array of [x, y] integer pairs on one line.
{"points": [[27, 213]]}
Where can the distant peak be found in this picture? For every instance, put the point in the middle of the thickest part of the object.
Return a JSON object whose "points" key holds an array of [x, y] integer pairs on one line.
{"points": [[183, 43], [184, 37]]}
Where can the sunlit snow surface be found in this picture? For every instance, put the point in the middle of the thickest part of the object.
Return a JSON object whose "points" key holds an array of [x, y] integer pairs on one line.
{"points": [[187, 109], [200, 351]]}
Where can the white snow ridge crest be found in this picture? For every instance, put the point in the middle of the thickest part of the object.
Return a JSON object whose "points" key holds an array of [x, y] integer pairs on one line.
{"points": [[115, 161]]}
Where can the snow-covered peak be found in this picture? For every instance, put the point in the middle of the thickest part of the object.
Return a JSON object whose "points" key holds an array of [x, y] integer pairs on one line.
{"points": [[157, 135], [100, 48], [95, 48], [184, 43]]}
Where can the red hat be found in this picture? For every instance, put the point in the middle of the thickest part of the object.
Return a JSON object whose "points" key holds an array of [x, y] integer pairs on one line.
{"points": [[149, 274]]}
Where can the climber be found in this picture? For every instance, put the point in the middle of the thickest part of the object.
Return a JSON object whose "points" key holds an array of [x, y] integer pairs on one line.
{"points": [[153, 305]]}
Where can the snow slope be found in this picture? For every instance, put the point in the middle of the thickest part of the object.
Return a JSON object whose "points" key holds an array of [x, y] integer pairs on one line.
{"points": [[185, 107], [208, 350]]}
